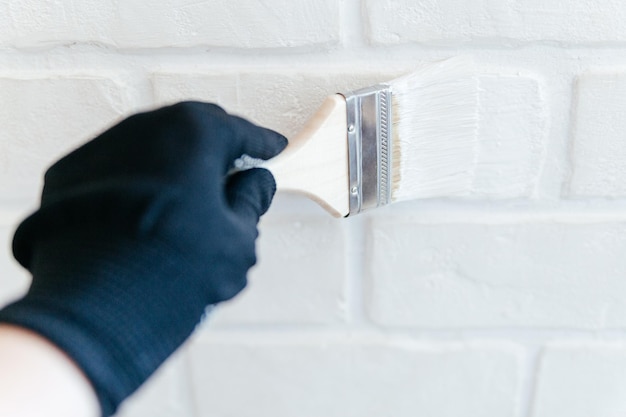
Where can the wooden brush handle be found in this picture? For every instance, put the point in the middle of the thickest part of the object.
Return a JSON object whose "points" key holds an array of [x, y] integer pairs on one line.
{"points": [[315, 163]]}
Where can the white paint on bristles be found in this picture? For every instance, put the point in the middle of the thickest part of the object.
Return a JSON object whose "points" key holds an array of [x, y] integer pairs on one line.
{"points": [[435, 123]]}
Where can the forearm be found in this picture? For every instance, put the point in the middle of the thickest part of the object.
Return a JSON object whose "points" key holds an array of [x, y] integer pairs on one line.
{"points": [[37, 379]]}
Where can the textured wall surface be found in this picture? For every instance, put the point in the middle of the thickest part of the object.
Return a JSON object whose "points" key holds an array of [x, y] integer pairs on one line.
{"points": [[510, 302]]}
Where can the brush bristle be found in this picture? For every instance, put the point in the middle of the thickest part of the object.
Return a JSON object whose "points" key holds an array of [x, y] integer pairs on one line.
{"points": [[435, 123]]}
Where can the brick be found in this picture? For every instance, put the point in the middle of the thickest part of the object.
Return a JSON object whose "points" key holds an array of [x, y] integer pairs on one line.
{"points": [[599, 149], [511, 135], [34, 23], [43, 118], [165, 394], [580, 381], [455, 275], [299, 278], [177, 23], [328, 379], [508, 22], [215, 87], [288, 99], [14, 280]]}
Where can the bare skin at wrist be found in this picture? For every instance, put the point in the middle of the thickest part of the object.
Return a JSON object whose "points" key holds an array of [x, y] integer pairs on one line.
{"points": [[37, 379]]}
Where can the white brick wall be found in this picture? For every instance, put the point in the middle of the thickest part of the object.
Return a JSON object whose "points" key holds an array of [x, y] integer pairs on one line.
{"points": [[598, 145], [512, 136], [507, 303], [301, 270], [29, 107], [581, 380], [363, 379], [476, 274], [505, 22], [178, 23]]}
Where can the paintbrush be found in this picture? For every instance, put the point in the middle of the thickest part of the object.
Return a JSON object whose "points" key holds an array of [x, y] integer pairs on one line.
{"points": [[413, 137]]}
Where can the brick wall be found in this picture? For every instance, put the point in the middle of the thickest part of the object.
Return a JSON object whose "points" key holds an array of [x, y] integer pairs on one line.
{"points": [[507, 303]]}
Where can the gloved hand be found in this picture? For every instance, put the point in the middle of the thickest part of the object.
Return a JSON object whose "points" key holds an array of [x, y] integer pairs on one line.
{"points": [[138, 231]]}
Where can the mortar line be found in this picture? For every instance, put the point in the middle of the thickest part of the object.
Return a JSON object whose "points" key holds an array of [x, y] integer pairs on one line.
{"points": [[353, 9], [351, 29], [365, 56], [354, 272], [529, 382], [192, 394], [570, 145], [507, 211], [443, 333]]}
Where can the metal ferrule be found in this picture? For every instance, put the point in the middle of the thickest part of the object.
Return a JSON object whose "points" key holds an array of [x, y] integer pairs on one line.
{"points": [[369, 147]]}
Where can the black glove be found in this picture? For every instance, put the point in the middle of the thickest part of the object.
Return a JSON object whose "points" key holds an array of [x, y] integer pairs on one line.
{"points": [[138, 231]]}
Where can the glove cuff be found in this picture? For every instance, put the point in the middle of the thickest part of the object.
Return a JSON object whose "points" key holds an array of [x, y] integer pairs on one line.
{"points": [[119, 331], [97, 363]]}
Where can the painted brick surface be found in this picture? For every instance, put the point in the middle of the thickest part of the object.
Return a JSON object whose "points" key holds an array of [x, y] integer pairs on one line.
{"points": [[599, 148], [166, 394], [175, 23], [508, 22], [512, 135], [46, 23], [290, 285], [43, 118], [579, 380], [488, 275], [371, 380]]}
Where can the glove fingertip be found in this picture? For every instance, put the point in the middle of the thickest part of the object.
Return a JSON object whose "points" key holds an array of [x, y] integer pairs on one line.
{"points": [[275, 143], [250, 193], [256, 141], [267, 144]]}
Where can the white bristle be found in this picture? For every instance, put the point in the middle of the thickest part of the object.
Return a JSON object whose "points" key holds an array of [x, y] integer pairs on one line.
{"points": [[435, 123]]}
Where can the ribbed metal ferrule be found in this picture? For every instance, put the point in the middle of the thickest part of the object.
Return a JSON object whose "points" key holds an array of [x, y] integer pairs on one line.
{"points": [[369, 147]]}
